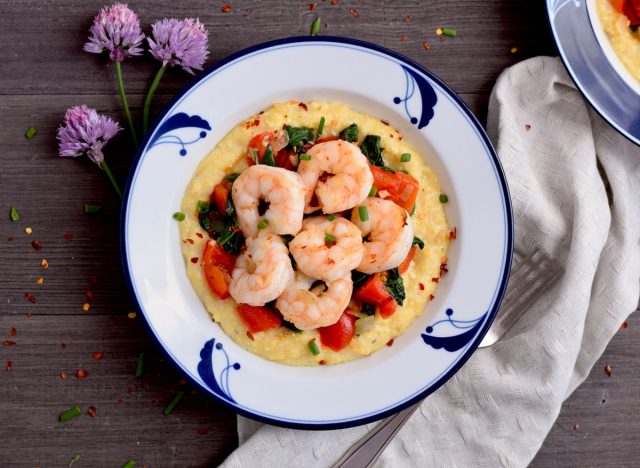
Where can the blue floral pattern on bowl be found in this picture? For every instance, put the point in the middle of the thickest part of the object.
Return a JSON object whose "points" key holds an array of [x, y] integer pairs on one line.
{"points": [[454, 342], [179, 121], [428, 98], [219, 384]]}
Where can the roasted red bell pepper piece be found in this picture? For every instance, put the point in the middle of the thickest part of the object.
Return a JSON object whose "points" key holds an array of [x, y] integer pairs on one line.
{"points": [[258, 318], [217, 264], [388, 308], [258, 145], [339, 335], [404, 266], [219, 197], [373, 291]]}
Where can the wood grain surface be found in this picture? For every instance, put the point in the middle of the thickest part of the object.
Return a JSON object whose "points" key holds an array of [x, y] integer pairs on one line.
{"points": [[42, 73]]}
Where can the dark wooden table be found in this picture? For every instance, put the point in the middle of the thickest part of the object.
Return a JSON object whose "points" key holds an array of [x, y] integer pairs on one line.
{"points": [[43, 71]]}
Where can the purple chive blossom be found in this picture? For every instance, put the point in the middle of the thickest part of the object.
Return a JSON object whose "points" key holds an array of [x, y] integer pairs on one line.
{"points": [[117, 29], [85, 132], [179, 42]]}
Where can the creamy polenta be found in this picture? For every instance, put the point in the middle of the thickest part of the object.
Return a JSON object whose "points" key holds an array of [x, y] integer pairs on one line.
{"points": [[372, 332], [624, 41]]}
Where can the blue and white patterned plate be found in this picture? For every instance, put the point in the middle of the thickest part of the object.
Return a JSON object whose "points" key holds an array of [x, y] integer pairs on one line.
{"points": [[594, 66], [383, 84]]}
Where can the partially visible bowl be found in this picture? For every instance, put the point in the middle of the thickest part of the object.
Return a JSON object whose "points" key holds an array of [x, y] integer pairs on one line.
{"points": [[383, 84]]}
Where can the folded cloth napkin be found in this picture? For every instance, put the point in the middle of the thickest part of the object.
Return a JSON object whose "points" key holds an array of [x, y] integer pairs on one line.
{"points": [[497, 410]]}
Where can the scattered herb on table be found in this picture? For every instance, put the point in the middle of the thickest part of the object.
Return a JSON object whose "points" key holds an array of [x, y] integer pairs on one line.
{"points": [[449, 32], [74, 459], [92, 209], [14, 214], [176, 399], [140, 365], [129, 464], [315, 26], [70, 414], [30, 133]]}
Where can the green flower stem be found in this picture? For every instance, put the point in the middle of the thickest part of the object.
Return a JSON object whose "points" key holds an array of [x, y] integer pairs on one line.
{"points": [[104, 166], [147, 102], [125, 104]]}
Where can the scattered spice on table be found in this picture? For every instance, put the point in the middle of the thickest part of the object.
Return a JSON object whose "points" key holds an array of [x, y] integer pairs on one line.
{"points": [[70, 414], [13, 331], [40, 280], [14, 215], [426, 45], [89, 294], [98, 355], [45, 263], [8, 366], [140, 365], [86, 306], [624, 325], [404, 38], [442, 39], [608, 369], [81, 374], [8, 343], [576, 427], [91, 410], [36, 244], [28, 231], [354, 12], [176, 399], [131, 315], [29, 315], [408, 18], [68, 235], [226, 8], [63, 346], [63, 375], [30, 297], [335, 2], [312, 6], [30, 133], [203, 431], [514, 50]]}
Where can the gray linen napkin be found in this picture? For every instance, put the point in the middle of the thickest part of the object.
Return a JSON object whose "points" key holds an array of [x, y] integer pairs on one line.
{"points": [[498, 409]]}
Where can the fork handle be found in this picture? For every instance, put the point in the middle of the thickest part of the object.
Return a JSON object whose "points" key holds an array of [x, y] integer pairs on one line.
{"points": [[367, 451]]}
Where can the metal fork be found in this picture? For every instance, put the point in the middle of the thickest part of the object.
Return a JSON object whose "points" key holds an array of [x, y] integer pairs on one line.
{"points": [[531, 274]]}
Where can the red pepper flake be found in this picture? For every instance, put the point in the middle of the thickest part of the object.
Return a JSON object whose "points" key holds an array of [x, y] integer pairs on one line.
{"points": [[256, 122], [435, 280], [303, 105], [129, 390], [354, 12], [89, 294], [29, 315], [63, 346], [9, 366], [250, 335], [203, 431], [404, 38], [226, 8], [426, 45], [194, 260], [312, 6], [527, 127], [608, 369], [63, 375], [119, 401], [390, 343], [8, 343], [188, 241], [443, 269], [30, 297], [335, 2], [199, 235], [97, 355], [576, 427], [36, 244], [408, 18], [81, 374], [91, 410], [93, 280], [442, 39], [453, 233], [431, 297], [384, 122], [421, 286], [13, 331], [68, 235], [624, 325], [10, 238], [322, 362]]}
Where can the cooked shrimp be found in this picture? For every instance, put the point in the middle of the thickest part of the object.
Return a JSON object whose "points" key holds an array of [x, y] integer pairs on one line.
{"points": [[281, 189], [308, 310], [388, 234], [262, 271], [325, 249], [349, 177]]}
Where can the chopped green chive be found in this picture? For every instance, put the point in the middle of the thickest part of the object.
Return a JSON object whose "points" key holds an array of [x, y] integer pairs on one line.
{"points": [[443, 198], [364, 213], [267, 158], [305, 156], [315, 26], [449, 32], [178, 216], [373, 191], [13, 214], [30, 133], [328, 238], [413, 210], [140, 365], [202, 206], [321, 125], [313, 347], [129, 464], [92, 209], [169, 408], [331, 217], [263, 223], [405, 157], [70, 414], [74, 459], [233, 176]]}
